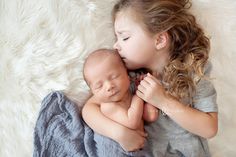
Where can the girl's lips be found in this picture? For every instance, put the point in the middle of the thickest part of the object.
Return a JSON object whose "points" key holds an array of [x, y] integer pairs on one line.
{"points": [[124, 59]]}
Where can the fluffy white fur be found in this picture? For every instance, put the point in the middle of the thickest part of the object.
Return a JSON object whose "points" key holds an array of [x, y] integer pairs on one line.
{"points": [[43, 45]]}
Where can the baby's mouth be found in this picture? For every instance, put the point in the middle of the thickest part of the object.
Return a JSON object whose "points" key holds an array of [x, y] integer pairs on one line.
{"points": [[113, 93]]}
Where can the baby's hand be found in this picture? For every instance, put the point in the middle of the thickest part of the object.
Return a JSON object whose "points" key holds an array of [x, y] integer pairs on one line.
{"points": [[132, 140]]}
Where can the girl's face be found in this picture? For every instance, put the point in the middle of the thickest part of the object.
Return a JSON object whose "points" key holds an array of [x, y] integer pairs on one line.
{"points": [[136, 47]]}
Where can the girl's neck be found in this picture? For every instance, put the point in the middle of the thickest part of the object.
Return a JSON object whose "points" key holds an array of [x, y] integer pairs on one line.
{"points": [[157, 75], [159, 63]]}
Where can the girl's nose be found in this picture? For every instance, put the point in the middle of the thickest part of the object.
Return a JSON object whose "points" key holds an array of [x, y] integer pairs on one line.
{"points": [[116, 46]]}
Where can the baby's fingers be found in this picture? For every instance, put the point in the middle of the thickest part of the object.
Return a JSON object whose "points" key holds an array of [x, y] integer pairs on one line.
{"points": [[143, 134]]}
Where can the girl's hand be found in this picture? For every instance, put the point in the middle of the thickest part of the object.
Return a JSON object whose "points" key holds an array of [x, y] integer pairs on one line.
{"points": [[132, 140], [152, 91]]}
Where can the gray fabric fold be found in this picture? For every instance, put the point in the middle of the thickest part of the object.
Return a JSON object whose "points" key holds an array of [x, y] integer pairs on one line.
{"points": [[61, 132]]}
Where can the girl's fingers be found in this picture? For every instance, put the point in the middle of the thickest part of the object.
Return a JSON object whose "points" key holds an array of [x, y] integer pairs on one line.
{"points": [[151, 79], [139, 94], [141, 88], [144, 83], [150, 75]]}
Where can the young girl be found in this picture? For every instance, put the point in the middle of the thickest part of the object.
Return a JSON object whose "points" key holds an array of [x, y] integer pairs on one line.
{"points": [[164, 37]]}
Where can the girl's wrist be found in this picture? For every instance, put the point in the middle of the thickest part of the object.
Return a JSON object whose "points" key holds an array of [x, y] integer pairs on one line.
{"points": [[167, 105]]}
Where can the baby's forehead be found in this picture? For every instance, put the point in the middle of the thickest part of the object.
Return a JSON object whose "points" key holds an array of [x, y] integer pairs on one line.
{"points": [[102, 56]]}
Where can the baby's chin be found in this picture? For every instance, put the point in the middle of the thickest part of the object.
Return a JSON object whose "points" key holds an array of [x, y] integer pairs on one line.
{"points": [[115, 98], [111, 100]]}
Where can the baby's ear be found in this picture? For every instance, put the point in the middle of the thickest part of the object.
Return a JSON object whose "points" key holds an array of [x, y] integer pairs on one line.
{"points": [[161, 40]]}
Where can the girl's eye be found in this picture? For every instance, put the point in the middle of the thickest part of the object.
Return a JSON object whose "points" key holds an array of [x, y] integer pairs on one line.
{"points": [[125, 39]]}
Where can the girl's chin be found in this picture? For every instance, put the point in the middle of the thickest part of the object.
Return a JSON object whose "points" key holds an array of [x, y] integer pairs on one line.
{"points": [[130, 67]]}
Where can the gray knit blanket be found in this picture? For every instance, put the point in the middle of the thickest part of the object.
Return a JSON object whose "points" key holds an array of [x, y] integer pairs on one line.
{"points": [[61, 132]]}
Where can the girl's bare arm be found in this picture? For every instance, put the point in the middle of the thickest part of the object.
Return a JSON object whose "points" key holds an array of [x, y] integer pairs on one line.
{"points": [[198, 122]]}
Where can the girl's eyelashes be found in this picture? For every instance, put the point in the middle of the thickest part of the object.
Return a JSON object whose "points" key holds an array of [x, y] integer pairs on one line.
{"points": [[124, 39]]}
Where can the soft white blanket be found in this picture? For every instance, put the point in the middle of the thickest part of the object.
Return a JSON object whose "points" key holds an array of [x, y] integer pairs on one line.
{"points": [[43, 45]]}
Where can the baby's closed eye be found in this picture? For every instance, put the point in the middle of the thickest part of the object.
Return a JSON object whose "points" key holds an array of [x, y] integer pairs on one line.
{"points": [[114, 76], [97, 86]]}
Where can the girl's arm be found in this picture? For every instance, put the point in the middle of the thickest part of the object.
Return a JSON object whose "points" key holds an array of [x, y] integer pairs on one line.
{"points": [[198, 122], [130, 118], [201, 123], [130, 140]]}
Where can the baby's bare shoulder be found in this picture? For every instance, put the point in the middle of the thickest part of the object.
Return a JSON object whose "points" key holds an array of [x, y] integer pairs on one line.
{"points": [[93, 100]]}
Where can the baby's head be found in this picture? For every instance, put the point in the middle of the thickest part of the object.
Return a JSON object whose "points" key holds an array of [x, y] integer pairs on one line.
{"points": [[106, 75]]}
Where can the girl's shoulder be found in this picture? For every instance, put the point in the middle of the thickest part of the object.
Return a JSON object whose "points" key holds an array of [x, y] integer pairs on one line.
{"points": [[205, 96], [208, 68], [205, 84]]}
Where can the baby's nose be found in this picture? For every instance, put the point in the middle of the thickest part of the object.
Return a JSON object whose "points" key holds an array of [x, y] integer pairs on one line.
{"points": [[109, 86]]}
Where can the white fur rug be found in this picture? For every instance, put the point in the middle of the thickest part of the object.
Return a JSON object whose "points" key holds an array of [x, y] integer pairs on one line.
{"points": [[43, 45]]}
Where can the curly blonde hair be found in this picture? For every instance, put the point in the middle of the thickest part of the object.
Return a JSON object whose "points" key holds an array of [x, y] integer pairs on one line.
{"points": [[189, 46]]}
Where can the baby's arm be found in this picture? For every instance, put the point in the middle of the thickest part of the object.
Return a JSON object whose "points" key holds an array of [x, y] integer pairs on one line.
{"points": [[130, 140], [130, 118], [150, 113]]}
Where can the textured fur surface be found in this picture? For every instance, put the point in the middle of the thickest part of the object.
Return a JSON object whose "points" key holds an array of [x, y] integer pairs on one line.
{"points": [[43, 45]]}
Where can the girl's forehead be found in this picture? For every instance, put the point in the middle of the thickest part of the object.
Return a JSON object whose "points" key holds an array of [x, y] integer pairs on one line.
{"points": [[124, 22], [121, 20]]}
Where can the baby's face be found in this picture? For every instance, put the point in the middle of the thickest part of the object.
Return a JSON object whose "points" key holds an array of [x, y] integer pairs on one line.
{"points": [[108, 80]]}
